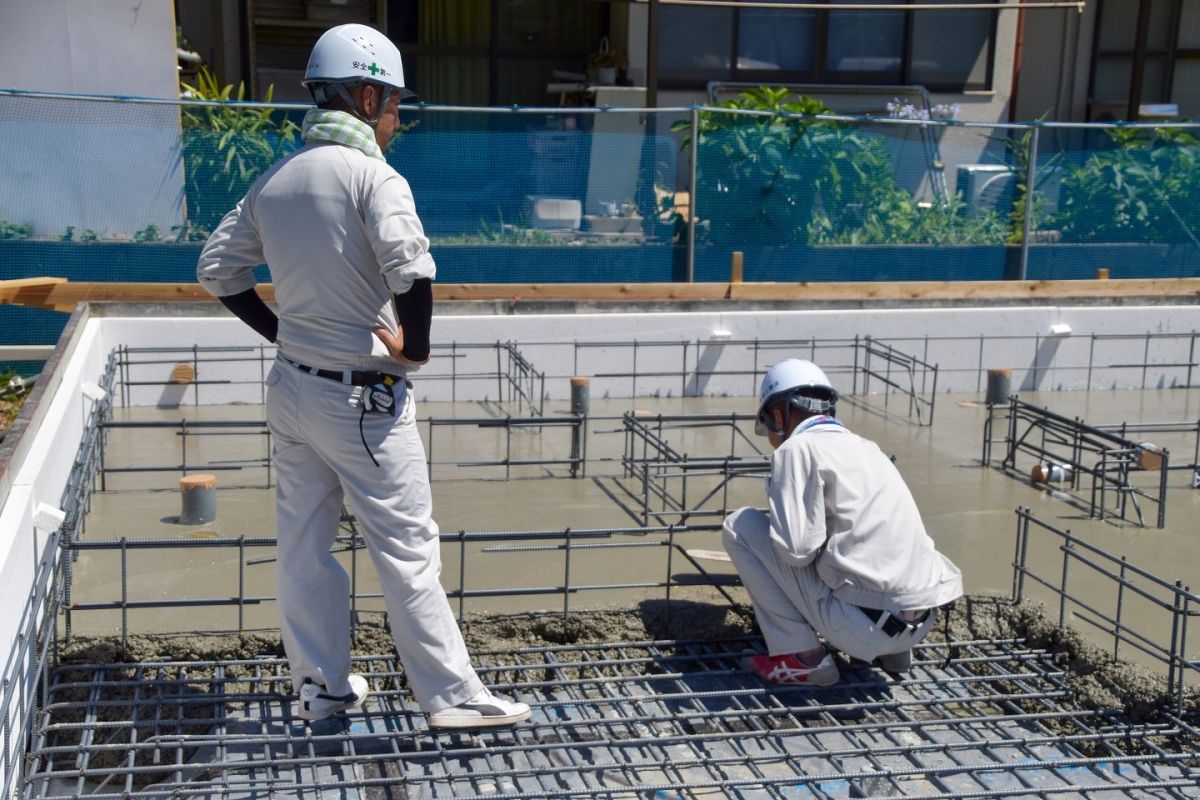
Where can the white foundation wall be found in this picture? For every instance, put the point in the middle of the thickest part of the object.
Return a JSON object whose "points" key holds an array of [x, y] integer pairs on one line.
{"points": [[963, 342], [39, 478]]}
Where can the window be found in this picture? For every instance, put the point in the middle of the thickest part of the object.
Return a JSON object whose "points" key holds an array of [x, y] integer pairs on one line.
{"points": [[1159, 45], [865, 42], [943, 50], [776, 40], [702, 42], [493, 52], [952, 48]]}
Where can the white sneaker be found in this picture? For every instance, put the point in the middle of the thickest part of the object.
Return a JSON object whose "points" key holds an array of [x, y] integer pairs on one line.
{"points": [[314, 703], [484, 710]]}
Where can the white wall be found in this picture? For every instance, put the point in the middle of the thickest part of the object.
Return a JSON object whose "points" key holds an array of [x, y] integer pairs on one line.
{"points": [[112, 168], [546, 340], [89, 46], [40, 478]]}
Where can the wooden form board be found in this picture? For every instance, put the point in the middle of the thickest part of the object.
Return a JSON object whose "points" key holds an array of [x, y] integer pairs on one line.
{"points": [[1187, 289], [62, 295]]}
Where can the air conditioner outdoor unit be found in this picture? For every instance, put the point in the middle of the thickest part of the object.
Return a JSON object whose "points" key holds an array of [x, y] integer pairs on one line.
{"points": [[986, 187]]}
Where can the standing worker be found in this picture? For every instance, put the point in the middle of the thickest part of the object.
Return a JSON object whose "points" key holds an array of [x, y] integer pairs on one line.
{"points": [[843, 552], [352, 274]]}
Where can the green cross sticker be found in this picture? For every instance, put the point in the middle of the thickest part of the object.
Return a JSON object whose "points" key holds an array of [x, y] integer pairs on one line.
{"points": [[373, 69]]}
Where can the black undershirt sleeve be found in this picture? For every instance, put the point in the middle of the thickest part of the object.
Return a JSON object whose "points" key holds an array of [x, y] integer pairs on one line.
{"points": [[250, 309], [414, 311]]}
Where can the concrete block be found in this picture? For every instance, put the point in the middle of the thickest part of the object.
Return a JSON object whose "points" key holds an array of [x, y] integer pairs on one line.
{"points": [[606, 224], [554, 213]]}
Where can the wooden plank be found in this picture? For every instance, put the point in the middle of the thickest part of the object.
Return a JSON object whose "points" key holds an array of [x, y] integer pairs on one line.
{"points": [[62, 295], [1184, 288], [21, 283], [32, 295], [709, 555], [582, 292], [65, 296]]}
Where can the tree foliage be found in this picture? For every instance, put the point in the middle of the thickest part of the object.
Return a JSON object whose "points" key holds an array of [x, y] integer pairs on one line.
{"points": [[789, 176]]}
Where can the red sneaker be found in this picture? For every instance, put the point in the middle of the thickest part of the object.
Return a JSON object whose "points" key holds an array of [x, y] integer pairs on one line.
{"points": [[789, 669]]}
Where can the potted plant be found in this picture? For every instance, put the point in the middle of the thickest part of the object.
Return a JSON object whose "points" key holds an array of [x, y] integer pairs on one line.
{"points": [[602, 65]]}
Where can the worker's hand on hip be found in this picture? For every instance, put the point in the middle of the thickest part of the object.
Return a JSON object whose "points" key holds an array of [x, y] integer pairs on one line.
{"points": [[394, 342]]}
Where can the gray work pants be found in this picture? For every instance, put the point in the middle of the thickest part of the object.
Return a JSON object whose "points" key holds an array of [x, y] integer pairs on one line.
{"points": [[792, 604], [319, 458]]}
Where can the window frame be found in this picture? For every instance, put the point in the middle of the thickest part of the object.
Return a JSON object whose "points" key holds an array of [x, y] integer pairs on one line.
{"points": [[1137, 56], [494, 51], [820, 74]]}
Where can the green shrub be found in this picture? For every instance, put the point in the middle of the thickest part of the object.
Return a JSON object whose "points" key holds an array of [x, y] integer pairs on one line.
{"points": [[10, 230], [755, 173], [896, 218], [790, 178], [226, 148], [150, 233], [1145, 189]]}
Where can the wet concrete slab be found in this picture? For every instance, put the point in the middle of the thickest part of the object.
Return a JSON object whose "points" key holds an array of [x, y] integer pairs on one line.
{"points": [[968, 508]]}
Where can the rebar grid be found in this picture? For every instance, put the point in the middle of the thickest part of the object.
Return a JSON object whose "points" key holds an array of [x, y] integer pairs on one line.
{"points": [[661, 473], [1077, 449], [856, 361], [185, 428], [53, 591], [1158, 430], [908, 358], [681, 718], [133, 595], [573, 446], [1096, 588], [517, 381]]}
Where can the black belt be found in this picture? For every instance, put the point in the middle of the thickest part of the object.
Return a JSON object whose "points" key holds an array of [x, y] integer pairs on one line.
{"points": [[893, 625], [347, 376]]}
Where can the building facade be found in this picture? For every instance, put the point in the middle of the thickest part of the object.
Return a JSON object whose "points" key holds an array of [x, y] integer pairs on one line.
{"points": [[1095, 60]]}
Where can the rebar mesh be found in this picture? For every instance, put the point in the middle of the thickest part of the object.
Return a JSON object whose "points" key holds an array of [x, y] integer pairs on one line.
{"points": [[991, 717], [643, 719]]}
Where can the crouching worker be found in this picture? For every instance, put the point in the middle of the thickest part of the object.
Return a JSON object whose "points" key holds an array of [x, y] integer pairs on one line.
{"points": [[843, 555]]}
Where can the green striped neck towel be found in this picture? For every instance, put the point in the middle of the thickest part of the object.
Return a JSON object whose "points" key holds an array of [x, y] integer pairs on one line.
{"points": [[327, 125]]}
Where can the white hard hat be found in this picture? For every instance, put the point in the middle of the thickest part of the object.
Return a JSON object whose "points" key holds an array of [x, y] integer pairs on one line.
{"points": [[353, 53], [786, 378]]}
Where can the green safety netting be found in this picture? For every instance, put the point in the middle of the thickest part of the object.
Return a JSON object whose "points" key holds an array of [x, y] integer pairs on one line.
{"points": [[119, 189]]}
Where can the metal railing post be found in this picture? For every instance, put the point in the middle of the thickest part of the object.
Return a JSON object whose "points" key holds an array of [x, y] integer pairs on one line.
{"points": [[1067, 549], [1028, 223], [1175, 656], [1117, 627], [1162, 488], [1184, 664], [566, 585], [241, 584], [462, 572], [691, 227], [1022, 554]]}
